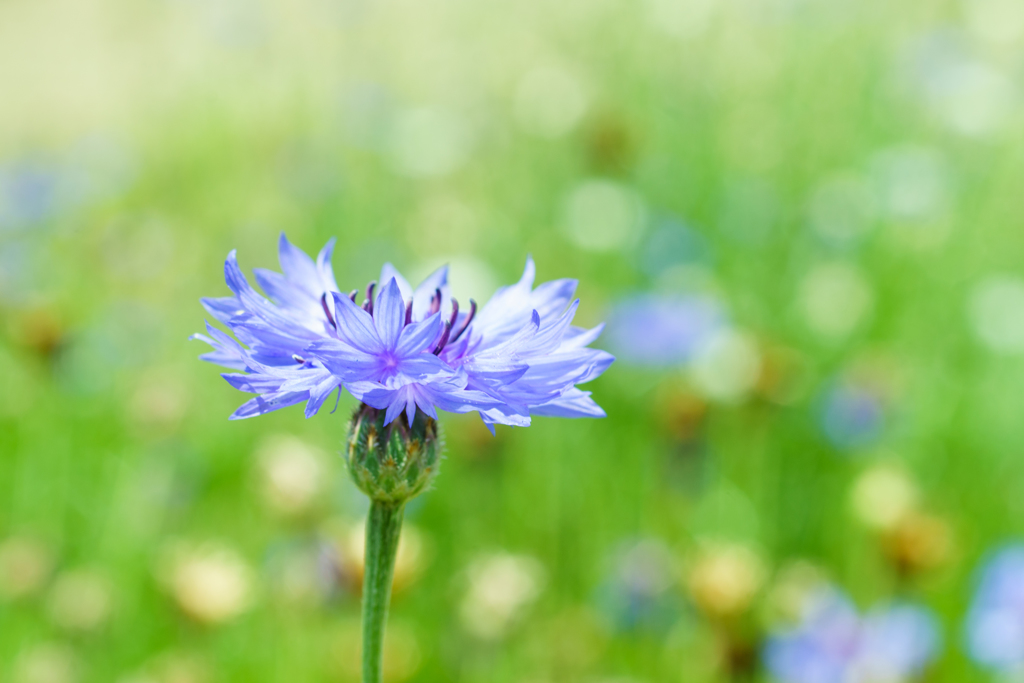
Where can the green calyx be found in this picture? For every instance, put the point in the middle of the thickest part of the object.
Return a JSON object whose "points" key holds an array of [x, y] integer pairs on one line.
{"points": [[394, 463]]}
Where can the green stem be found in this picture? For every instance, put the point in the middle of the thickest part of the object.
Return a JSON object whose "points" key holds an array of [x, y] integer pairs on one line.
{"points": [[383, 527]]}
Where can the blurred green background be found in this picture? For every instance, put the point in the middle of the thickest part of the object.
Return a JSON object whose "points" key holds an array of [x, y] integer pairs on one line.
{"points": [[841, 180]]}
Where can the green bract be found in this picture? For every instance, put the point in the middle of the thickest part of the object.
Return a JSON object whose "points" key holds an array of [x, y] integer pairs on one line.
{"points": [[392, 463]]}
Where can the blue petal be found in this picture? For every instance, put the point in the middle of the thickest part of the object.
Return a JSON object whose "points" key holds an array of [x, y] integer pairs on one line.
{"points": [[410, 405], [421, 336], [506, 414], [344, 361], [388, 272], [324, 269], [551, 298], [355, 326], [574, 367], [259, 334], [257, 305], [220, 356], [265, 404], [319, 393], [282, 291], [577, 337], [508, 309], [424, 404], [574, 403], [395, 408], [498, 371], [389, 314], [371, 393], [222, 308], [457, 400], [550, 335], [508, 348], [225, 340], [422, 366], [299, 267], [254, 383], [227, 352], [307, 378]]}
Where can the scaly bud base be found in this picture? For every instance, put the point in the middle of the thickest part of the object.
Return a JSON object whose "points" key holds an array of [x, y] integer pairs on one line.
{"points": [[392, 463]]}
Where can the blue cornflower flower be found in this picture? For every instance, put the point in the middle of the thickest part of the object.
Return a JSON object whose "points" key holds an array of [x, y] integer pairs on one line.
{"points": [[403, 350], [833, 643], [995, 623]]}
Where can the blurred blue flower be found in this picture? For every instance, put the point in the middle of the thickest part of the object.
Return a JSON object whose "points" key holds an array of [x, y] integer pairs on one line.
{"points": [[36, 189], [662, 330], [636, 593], [852, 415], [833, 643], [304, 570], [405, 349], [995, 623], [28, 194]]}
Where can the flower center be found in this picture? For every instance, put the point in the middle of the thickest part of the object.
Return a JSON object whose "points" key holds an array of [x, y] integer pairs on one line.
{"points": [[449, 336]]}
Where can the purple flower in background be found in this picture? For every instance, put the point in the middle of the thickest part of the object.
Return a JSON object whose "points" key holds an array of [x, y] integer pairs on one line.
{"points": [[637, 593], [657, 330], [995, 623], [852, 415], [28, 195], [36, 190], [833, 643], [402, 349]]}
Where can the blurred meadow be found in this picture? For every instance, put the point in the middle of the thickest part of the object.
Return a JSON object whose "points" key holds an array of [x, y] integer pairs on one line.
{"points": [[803, 221]]}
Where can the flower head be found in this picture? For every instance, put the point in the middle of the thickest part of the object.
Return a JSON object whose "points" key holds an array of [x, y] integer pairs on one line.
{"points": [[834, 643], [402, 349]]}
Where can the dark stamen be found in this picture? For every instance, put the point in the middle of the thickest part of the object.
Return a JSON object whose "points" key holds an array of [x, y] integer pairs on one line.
{"points": [[435, 302], [352, 295], [369, 295], [444, 337], [466, 322], [408, 312], [330, 318], [366, 306], [298, 359], [455, 311]]}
